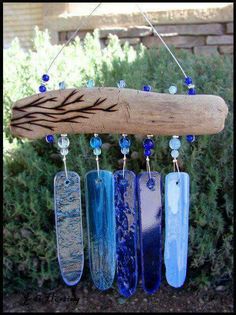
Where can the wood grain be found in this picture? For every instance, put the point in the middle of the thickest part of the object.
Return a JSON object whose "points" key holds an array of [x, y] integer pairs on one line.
{"points": [[113, 110]]}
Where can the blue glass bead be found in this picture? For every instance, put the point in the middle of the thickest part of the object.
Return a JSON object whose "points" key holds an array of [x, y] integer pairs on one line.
{"points": [[49, 138], [97, 151], [147, 152], [125, 150], [174, 144], [174, 153], [147, 88], [121, 84], [190, 138], [148, 144], [42, 88], [191, 91], [45, 77], [124, 142], [188, 80], [95, 142], [90, 83]]}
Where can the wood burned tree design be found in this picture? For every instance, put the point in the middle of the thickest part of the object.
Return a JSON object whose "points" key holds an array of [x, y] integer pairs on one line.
{"points": [[61, 113]]}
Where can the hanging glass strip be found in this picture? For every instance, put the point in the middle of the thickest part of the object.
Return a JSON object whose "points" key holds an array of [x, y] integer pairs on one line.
{"points": [[69, 232], [100, 212]]}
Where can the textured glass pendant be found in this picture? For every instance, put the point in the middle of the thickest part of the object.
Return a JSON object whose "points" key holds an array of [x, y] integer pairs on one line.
{"points": [[150, 207], [176, 227], [126, 232], [68, 219], [100, 212]]}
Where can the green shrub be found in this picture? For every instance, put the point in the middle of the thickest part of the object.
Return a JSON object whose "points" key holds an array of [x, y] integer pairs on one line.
{"points": [[29, 166]]}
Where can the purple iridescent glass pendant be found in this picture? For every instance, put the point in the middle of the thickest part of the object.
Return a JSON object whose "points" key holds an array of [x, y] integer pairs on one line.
{"points": [[126, 232]]}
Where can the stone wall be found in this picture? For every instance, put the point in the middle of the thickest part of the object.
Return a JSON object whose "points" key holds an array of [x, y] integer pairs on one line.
{"points": [[204, 39], [202, 28]]}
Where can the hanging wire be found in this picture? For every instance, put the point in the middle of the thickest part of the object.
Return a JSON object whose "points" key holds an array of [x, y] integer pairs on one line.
{"points": [[155, 31], [73, 35]]}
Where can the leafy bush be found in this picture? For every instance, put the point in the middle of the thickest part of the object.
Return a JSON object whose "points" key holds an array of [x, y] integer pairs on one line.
{"points": [[29, 166]]}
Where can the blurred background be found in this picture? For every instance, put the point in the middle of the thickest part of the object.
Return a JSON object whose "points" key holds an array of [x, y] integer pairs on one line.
{"points": [[201, 28], [116, 43]]}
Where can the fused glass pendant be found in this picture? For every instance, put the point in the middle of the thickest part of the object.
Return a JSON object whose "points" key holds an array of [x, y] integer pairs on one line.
{"points": [[176, 227], [99, 191], [126, 232], [69, 232], [150, 207]]}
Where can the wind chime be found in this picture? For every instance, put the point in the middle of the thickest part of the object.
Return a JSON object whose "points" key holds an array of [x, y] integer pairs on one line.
{"points": [[112, 199]]}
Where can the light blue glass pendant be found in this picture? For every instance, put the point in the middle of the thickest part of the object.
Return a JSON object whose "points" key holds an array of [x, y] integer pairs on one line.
{"points": [[68, 220], [150, 207], [176, 227], [100, 211], [126, 232]]}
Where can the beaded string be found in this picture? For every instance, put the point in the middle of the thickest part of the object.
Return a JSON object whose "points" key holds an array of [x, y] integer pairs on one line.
{"points": [[96, 143], [148, 143], [63, 143], [124, 141]]}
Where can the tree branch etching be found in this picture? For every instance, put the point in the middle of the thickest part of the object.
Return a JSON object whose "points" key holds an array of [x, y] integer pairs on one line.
{"points": [[52, 115]]}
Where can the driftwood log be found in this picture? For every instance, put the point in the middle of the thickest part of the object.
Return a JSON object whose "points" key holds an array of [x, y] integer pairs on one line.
{"points": [[113, 110]]}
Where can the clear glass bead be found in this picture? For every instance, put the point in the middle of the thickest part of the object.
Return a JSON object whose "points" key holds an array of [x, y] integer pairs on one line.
{"points": [[174, 143], [63, 142], [121, 84], [125, 150], [64, 151], [173, 89], [174, 153], [62, 85], [97, 151]]}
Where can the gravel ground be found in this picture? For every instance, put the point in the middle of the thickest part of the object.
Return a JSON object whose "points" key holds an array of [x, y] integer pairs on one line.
{"points": [[85, 298]]}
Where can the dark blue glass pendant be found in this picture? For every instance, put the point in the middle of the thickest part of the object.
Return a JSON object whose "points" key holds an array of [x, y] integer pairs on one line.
{"points": [[126, 232], [69, 232], [150, 207], [99, 191], [176, 227]]}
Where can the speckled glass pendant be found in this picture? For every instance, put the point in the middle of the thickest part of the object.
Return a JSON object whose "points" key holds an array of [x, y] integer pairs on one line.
{"points": [[69, 232], [99, 191], [150, 207], [176, 227], [126, 230]]}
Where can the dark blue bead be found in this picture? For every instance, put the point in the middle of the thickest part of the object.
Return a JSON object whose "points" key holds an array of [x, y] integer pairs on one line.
{"points": [[148, 144], [191, 91], [42, 88], [188, 80], [124, 142], [49, 138], [147, 152], [190, 138], [147, 88], [45, 77]]}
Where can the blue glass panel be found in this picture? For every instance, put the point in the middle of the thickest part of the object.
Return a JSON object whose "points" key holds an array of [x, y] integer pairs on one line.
{"points": [[176, 227], [126, 232], [101, 227], [69, 232], [150, 207]]}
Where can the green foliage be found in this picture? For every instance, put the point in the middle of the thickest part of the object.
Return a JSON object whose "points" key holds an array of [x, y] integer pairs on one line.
{"points": [[29, 166]]}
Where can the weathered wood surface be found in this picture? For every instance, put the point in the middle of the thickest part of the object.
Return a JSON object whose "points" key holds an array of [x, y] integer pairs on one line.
{"points": [[113, 110]]}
